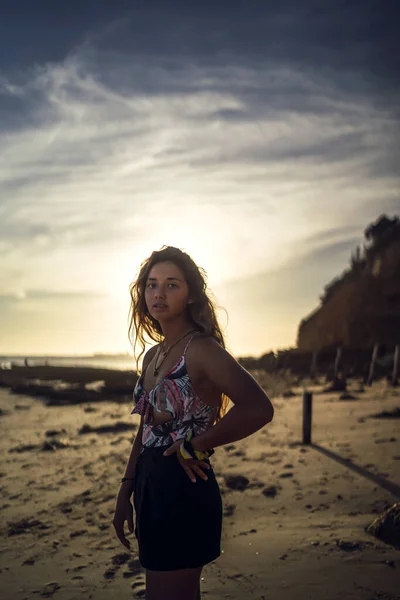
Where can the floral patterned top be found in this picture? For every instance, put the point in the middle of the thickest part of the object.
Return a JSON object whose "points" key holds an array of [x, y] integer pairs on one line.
{"points": [[173, 394]]}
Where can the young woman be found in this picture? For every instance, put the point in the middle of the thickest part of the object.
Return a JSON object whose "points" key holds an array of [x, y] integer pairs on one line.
{"points": [[186, 382]]}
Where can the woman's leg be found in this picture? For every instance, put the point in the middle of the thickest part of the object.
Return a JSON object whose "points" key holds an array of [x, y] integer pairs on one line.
{"points": [[170, 585]]}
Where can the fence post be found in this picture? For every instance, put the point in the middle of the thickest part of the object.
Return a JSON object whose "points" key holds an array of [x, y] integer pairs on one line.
{"points": [[337, 363], [372, 365], [395, 364], [307, 417], [313, 368]]}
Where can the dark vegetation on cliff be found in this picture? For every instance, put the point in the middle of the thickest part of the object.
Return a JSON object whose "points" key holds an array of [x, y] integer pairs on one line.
{"points": [[379, 235], [359, 309]]}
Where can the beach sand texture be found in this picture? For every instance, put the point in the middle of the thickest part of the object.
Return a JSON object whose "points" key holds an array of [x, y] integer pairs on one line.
{"points": [[296, 530]]}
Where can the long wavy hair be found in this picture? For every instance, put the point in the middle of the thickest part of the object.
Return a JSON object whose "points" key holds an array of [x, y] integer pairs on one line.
{"points": [[201, 312]]}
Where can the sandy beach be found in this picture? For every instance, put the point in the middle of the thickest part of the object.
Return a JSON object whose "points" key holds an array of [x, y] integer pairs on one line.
{"points": [[295, 528]]}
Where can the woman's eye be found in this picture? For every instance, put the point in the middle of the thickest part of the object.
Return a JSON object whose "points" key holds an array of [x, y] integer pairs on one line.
{"points": [[151, 286]]}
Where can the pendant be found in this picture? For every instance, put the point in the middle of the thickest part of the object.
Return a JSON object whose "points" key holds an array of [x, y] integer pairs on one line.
{"points": [[155, 372]]}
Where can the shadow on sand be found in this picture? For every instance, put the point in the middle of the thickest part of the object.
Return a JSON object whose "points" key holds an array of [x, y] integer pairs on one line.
{"points": [[349, 464]]}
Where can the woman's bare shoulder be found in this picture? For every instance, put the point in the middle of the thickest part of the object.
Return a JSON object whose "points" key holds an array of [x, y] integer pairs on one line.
{"points": [[203, 341], [203, 346], [149, 355], [221, 370]]}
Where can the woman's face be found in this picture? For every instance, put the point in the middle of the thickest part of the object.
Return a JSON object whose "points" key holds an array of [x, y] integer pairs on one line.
{"points": [[166, 291]]}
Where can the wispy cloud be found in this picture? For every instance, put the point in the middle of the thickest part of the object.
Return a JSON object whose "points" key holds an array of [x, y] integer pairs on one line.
{"points": [[249, 159]]}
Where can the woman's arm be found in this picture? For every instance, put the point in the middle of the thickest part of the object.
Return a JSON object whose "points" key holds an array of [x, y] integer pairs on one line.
{"points": [[134, 455], [252, 408], [137, 444]]}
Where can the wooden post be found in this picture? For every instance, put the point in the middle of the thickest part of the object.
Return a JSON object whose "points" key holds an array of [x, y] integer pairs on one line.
{"points": [[337, 363], [372, 366], [313, 368], [395, 364], [307, 417]]}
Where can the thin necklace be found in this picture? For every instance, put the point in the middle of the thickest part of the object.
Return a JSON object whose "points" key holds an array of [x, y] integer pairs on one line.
{"points": [[157, 368]]}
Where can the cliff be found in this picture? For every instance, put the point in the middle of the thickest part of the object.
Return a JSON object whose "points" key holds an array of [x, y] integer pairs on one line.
{"points": [[362, 306]]}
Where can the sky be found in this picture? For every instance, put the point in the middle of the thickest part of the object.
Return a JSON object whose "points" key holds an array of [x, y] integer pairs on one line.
{"points": [[260, 137]]}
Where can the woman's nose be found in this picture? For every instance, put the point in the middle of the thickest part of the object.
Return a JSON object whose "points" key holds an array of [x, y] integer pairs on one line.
{"points": [[160, 293]]}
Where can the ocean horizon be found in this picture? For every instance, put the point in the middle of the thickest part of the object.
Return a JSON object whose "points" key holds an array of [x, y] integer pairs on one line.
{"points": [[119, 362]]}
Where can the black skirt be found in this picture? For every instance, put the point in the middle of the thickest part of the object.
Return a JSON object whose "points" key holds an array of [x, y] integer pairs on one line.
{"points": [[178, 523]]}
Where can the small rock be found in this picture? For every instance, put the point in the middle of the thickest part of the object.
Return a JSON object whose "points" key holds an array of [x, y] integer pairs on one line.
{"points": [[237, 482], [270, 491], [348, 546]]}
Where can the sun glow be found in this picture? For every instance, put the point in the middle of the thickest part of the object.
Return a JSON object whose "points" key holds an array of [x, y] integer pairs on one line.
{"points": [[125, 266]]}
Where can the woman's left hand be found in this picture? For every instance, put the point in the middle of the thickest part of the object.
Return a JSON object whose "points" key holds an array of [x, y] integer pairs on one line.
{"points": [[190, 465]]}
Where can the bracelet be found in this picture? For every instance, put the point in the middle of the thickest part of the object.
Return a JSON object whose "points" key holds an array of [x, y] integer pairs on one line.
{"points": [[187, 451]]}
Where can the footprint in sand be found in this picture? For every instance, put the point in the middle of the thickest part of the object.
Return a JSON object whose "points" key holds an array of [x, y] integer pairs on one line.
{"points": [[238, 453], [229, 509], [120, 559], [139, 589], [109, 573], [77, 533]]}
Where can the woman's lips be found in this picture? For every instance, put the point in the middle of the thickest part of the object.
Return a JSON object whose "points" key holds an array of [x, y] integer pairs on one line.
{"points": [[160, 306]]}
